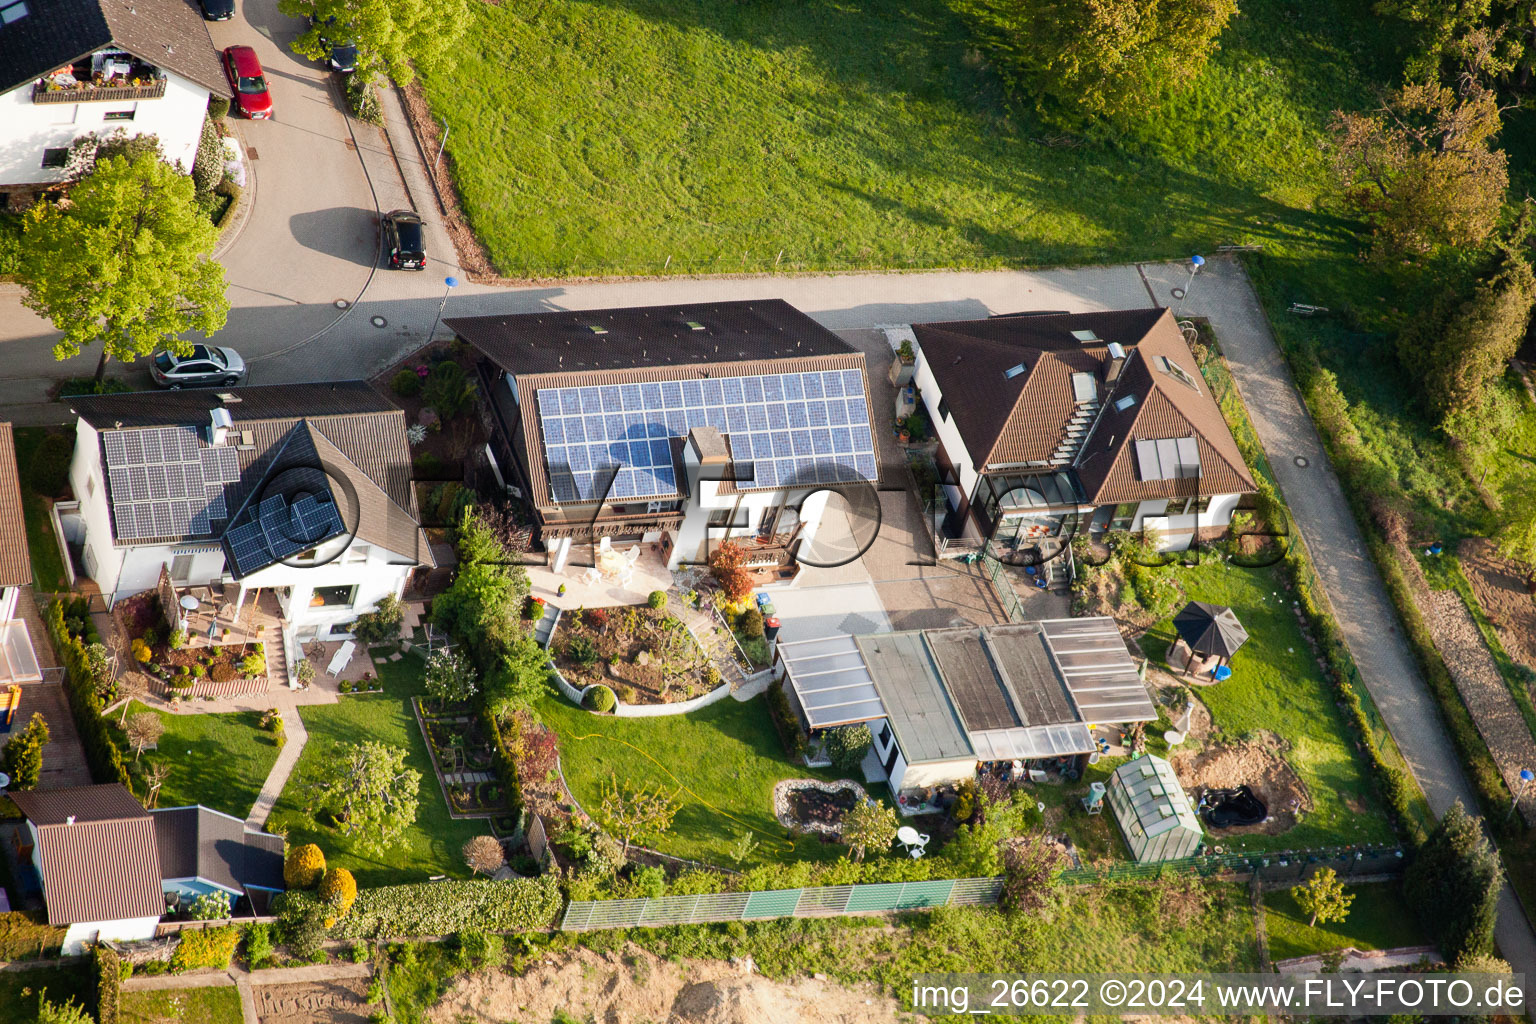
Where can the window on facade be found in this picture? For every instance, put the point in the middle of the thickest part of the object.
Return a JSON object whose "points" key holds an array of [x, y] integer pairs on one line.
{"points": [[118, 115], [885, 734], [358, 553], [1176, 506], [722, 517], [56, 157], [1124, 515], [334, 597], [944, 409], [1200, 504]]}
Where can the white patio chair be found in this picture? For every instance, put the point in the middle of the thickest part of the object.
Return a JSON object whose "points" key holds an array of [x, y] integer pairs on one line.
{"points": [[591, 575], [632, 555], [625, 577], [605, 544]]}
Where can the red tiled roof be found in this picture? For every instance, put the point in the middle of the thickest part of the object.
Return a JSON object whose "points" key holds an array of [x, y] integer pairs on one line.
{"points": [[15, 565], [100, 860]]}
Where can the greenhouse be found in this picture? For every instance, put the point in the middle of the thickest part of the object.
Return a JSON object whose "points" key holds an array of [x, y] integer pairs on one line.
{"points": [[1153, 811]]}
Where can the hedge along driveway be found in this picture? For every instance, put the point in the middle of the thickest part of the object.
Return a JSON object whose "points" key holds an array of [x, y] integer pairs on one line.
{"points": [[433, 845], [721, 761]]}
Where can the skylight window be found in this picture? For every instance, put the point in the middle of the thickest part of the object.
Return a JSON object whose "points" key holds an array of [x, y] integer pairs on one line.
{"points": [[1176, 371], [10, 12], [1013, 371], [1122, 404], [1086, 337], [1085, 388]]}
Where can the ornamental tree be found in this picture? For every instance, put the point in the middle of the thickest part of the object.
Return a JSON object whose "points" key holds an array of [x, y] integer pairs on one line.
{"points": [[125, 260], [338, 891], [450, 678], [304, 867], [729, 567], [1323, 897], [868, 825], [144, 731], [22, 758], [375, 791], [391, 35], [483, 855], [633, 812]]}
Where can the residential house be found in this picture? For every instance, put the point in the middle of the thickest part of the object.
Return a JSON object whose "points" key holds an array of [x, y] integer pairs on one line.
{"points": [[95, 852], [76, 67], [1053, 423], [675, 425], [304, 490], [204, 851], [942, 703], [18, 659]]}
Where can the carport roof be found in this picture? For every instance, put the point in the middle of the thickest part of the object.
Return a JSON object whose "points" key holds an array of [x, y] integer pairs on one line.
{"points": [[831, 681], [916, 704], [1098, 670]]}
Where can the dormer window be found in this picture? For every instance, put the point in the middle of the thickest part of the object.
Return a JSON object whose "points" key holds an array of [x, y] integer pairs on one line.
{"points": [[1085, 388]]}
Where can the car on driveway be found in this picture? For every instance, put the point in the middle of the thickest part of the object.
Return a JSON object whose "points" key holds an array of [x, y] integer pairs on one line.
{"points": [[207, 364], [252, 98], [218, 10], [403, 241], [340, 51]]}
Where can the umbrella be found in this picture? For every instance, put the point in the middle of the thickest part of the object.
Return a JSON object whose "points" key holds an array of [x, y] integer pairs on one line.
{"points": [[1209, 629]]}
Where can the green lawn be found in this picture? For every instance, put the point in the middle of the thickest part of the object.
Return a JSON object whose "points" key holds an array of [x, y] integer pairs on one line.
{"points": [[47, 565], [430, 847], [19, 989], [1277, 686], [860, 135], [722, 761], [219, 761], [1378, 919], [182, 1006]]}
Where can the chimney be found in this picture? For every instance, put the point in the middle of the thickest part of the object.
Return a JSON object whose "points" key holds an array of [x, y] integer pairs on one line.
{"points": [[219, 425], [69, 820], [1114, 362]]}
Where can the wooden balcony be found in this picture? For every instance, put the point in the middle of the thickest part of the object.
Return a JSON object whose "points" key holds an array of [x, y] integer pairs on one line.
{"points": [[85, 92]]}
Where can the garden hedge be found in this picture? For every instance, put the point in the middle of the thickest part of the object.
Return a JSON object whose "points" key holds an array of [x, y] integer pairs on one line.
{"points": [[442, 908], [109, 985], [205, 947], [101, 753]]}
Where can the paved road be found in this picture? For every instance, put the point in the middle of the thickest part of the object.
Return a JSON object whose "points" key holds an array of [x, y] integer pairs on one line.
{"points": [[1364, 611]]}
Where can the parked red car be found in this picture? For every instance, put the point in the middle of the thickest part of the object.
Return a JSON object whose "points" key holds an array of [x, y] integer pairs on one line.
{"points": [[251, 95]]}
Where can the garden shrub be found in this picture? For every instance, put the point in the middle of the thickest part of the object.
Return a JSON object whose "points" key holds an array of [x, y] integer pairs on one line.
{"points": [[218, 107], [363, 99], [429, 466], [657, 600], [382, 624], [223, 672], [788, 725], [177, 640], [258, 945], [304, 867], [208, 163], [232, 191], [359, 952], [141, 652], [750, 624], [598, 698], [442, 908], [109, 984], [210, 906], [477, 949], [846, 746], [405, 384], [253, 665], [83, 689], [581, 650], [302, 921], [205, 947], [48, 472], [338, 891]]}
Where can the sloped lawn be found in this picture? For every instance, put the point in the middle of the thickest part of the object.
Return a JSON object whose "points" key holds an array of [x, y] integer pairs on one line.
{"points": [[1378, 919], [722, 761], [432, 845], [219, 761]]}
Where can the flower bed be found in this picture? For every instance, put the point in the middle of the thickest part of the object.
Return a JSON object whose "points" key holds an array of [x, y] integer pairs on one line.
{"points": [[644, 654]]}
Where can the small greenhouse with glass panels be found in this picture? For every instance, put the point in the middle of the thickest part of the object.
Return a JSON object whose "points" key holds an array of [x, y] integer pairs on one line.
{"points": [[1154, 813]]}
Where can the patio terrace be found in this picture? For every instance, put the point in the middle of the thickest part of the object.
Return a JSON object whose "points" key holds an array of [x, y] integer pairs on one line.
{"points": [[603, 585]]}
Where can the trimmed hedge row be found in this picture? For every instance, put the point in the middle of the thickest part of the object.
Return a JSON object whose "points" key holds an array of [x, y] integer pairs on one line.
{"points": [[442, 908], [101, 753], [109, 985], [502, 760]]}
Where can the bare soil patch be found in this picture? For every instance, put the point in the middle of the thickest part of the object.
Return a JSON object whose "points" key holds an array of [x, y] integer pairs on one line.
{"points": [[637, 986], [1503, 591], [343, 1001], [1257, 764]]}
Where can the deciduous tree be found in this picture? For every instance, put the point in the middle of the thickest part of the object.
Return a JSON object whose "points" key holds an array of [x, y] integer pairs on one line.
{"points": [[375, 791], [868, 826], [22, 759], [1104, 57], [635, 812], [144, 730], [1031, 865], [1323, 897], [483, 855], [728, 565], [391, 35], [125, 261], [450, 677], [155, 775]]}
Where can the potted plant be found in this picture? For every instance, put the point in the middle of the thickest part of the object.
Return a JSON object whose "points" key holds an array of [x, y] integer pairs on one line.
{"points": [[902, 366], [561, 590]]}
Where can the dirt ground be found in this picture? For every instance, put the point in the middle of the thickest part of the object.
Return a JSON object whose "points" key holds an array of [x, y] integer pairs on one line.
{"points": [[1501, 590], [344, 1001], [1258, 765], [635, 986]]}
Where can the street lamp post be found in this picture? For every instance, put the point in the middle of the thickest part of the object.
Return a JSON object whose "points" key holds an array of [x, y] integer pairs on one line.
{"points": [[1195, 263], [1526, 775], [451, 283]]}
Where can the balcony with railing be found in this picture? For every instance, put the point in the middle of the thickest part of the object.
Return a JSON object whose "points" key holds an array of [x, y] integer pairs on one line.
{"points": [[99, 78]]}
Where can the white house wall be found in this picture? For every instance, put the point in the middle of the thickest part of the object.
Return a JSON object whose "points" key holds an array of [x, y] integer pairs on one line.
{"points": [[948, 434], [375, 578], [27, 128], [103, 561], [132, 929], [1179, 531]]}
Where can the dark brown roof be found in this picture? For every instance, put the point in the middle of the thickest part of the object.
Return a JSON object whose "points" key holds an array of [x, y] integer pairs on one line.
{"points": [[197, 842], [15, 565], [169, 34], [971, 680], [1007, 382], [655, 336], [346, 428], [102, 866]]}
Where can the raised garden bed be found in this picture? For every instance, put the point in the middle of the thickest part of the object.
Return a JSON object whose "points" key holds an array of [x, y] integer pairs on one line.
{"points": [[645, 655], [186, 671]]}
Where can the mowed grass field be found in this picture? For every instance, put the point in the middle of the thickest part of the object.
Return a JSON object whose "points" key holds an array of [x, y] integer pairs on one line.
{"points": [[607, 137]]}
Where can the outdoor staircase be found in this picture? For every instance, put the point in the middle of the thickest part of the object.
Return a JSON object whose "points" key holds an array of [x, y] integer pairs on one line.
{"points": [[276, 651], [546, 625], [1076, 433]]}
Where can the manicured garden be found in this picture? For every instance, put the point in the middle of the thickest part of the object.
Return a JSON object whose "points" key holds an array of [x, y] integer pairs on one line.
{"points": [[644, 654], [722, 762], [217, 760], [1276, 686], [1378, 919], [432, 845]]}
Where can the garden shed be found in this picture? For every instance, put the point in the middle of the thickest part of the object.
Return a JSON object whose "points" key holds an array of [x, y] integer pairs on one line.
{"points": [[1153, 811]]}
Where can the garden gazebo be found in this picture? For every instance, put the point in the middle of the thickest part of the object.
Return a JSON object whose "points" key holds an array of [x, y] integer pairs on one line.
{"points": [[1209, 631]]}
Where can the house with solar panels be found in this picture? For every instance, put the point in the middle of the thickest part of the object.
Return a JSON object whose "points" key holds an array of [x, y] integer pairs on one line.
{"points": [[1054, 423], [301, 490], [676, 426], [941, 703]]}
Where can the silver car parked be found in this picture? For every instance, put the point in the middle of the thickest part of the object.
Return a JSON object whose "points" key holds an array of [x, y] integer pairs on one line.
{"points": [[207, 364]]}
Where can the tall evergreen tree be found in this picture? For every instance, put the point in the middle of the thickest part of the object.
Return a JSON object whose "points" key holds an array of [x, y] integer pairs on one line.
{"points": [[1453, 885], [22, 758]]}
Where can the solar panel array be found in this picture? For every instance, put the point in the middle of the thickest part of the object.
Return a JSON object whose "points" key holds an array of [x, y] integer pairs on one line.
{"points": [[1171, 458], [166, 482], [276, 531], [795, 429]]}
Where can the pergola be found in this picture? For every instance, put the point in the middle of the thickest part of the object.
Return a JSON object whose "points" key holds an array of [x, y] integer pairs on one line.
{"points": [[1210, 631]]}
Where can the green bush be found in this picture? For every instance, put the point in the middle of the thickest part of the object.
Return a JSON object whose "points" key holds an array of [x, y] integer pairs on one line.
{"points": [[218, 107], [381, 625], [10, 244], [442, 908], [205, 947], [581, 650], [208, 163], [301, 919], [406, 384], [258, 945], [109, 984], [846, 746], [91, 386], [363, 99], [48, 472], [657, 600], [478, 949], [231, 191], [750, 624], [429, 466], [598, 698]]}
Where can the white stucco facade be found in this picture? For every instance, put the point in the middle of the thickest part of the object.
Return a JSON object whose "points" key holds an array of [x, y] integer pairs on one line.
{"points": [[29, 129], [84, 933]]}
